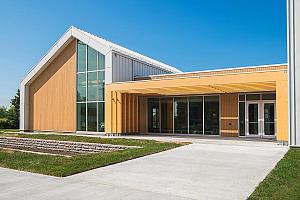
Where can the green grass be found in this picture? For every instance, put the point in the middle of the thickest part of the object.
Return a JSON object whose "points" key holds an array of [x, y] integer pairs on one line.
{"points": [[283, 182], [8, 130], [65, 166]]}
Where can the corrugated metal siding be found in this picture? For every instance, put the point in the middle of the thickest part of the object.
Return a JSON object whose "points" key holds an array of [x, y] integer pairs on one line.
{"points": [[125, 68]]}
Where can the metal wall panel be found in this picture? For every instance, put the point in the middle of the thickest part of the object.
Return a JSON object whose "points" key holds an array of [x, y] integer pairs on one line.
{"points": [[125, 68], [293, 7]]}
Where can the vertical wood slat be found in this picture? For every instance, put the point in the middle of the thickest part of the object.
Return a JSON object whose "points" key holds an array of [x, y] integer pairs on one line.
{"points": [[229, 115], [52, 95]]}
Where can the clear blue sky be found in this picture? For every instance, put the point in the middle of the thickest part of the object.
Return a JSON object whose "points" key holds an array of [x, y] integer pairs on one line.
{"points": [[189, 35]]}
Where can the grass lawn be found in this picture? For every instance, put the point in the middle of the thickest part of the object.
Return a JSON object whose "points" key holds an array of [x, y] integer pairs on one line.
{"points": [[284, 180], [64, 166], [8, 130]]}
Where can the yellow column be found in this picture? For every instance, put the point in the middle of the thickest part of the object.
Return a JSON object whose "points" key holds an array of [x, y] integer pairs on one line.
{"points": [[119, 108], [282, 110], [108, 112]]}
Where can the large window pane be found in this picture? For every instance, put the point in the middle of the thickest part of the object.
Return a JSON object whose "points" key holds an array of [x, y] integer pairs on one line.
{"points": [[196, 115], [81, 57], [81, 117], [242, 121], [101, 110], [92, 116], [180, 115], [81, 87], [101, 85], [101, 61], [153, 115], [269, 96], [92, 59], [211, 115], [269, 118], [167, 115], [252, 97], [92, 86]]}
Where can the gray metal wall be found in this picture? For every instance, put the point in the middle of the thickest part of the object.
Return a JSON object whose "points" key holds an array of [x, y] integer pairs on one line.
{"points": [[125, 68], [293, 10]]}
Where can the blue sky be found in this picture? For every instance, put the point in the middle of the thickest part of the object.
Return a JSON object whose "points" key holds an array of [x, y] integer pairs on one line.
{"points": [[189, 35]]}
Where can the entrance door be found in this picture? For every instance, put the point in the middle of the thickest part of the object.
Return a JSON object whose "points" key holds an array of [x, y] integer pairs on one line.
{"points": [[253, 119], [260, 118]]}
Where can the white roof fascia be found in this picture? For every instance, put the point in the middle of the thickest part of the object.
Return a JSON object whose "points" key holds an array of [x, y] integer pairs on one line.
{"points": [[99, 44], [131, 53]]}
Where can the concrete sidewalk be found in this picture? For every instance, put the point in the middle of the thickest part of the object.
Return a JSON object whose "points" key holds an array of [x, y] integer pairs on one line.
{"points": [[205, 169]]}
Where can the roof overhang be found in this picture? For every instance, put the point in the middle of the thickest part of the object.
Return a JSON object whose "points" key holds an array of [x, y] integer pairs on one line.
{"points": [[256, 81]]}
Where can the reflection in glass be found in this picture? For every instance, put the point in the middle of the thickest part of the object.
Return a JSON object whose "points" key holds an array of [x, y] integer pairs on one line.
{"points": [[180, 115], [92, 59], [211, 115], [167, 115], [269, 96], [92, 86], [101, 116], [81, 57], [253, 119], [196, 115], [101, 85], [92, 116], [101, 61], [153, 115], [242, 118], [81, 116], [269, 118], [252, 97], [81, 87]]}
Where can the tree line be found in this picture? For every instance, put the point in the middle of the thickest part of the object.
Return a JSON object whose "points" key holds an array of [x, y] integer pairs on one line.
{"points": [[10, 117]]}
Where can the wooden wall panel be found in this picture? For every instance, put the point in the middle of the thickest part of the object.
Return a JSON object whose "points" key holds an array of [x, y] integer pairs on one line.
{"points": [[52, 94], [142, 117], [229, 115]]}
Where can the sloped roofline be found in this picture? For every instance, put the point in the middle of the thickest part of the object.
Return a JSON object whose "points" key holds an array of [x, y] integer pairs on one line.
{"points": [[99, 44]]}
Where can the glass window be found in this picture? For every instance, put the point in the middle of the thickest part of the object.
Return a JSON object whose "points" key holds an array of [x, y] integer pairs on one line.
{"points": [[253, 97], [242, 118], [92, 59], [81, 117], [241, 97], [101, 61], [167, 115], [180, 115], [92, 86], [81, 87], [211, 115], [101, 113], [153, 115], [101, 85], [92, 116], [269, 118], [196, 115], [81, 57], [269, 96]]}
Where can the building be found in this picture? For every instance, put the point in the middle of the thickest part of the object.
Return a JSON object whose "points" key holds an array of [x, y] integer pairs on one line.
{"points": [[293, 20], [87, 84]]}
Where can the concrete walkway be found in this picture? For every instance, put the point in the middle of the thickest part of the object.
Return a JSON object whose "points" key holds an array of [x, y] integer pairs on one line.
{"points": [[205, 169]]}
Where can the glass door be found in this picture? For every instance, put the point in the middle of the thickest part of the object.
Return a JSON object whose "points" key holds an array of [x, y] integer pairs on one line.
{"points": [[269, 119], [253, 118]]}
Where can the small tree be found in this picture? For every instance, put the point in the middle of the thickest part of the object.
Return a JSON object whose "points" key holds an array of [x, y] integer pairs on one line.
{"points": [[3, 112], [13, 113]]}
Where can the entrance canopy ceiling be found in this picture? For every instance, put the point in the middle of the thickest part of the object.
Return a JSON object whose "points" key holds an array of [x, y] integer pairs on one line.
{"points": [[223, 81]]}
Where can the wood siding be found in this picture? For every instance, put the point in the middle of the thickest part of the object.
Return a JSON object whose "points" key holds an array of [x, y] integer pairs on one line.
{"points": [[229, 115], [52, 94]]}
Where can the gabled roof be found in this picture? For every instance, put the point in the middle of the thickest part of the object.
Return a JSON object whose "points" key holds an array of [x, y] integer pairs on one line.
{"points": [[99, 44]]}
